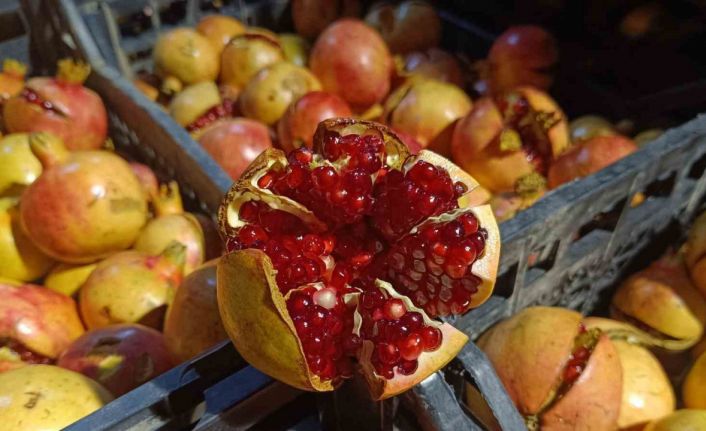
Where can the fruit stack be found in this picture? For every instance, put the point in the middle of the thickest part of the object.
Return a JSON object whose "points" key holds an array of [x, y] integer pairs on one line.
{"points": [[616, 372], [92, 250]]}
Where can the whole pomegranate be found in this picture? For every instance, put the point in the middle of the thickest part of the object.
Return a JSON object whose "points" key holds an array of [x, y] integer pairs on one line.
{"points": [[119, 357], [296, 49], [12, 78], [36, 323], [19, 258], [560, 374], [185, 56], [19, 166], [297, 126], [427, 109], [506, 138], [522, 55], [590, 126], [67, 279], [685, 419], [409, 26], [193, 324], [172, 223], [694, 251], [311, 17], [132, 287], [235, 143], [436, 64], [61, 106], [351, 60], [321, 258], [269, 93], [85, 206], [46, 397], [588, 157], [247, 54], [219, 30]]}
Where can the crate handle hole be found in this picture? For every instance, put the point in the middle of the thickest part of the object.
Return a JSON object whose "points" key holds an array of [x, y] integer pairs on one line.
{"points": [[606, 220]]}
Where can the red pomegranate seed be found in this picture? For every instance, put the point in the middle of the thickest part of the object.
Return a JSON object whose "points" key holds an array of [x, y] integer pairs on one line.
{"points": [[372, 299], [394, 309], [413, 320], [385, 370], [581, 354], [352, 343], [388, 353], [571, 373], [411, 347], [407, 368], [251, 235], [431, 338]]}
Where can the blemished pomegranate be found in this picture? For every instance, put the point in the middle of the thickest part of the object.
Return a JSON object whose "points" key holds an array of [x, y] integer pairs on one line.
{"points": [[588, 157], [119, 357], [409, 26], [297, 126], [219, 30], [235, 143], [434, 63], [85, 206], [320, 236], [183, 57], [247, 54], [351, 60], [311, 17], [36, 323], [12, 78], [522, 55], [511, 136], [559, 374], [62, 106]]}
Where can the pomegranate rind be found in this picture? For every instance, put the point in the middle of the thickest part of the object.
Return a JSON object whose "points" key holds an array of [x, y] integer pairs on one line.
{"points": [[621, 331], [686, 419], [254, 314], [541, 102]]}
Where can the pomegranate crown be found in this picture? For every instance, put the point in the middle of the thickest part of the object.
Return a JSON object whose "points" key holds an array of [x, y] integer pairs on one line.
{"points": [[14, 67], [73, 71], [167, 200]]}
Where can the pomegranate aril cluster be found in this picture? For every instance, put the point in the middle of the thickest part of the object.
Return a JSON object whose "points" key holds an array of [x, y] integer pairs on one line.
{"points": [[399, 336], [324, 324], [403, 200], [224, 110], [579, 355], [433, 266]]}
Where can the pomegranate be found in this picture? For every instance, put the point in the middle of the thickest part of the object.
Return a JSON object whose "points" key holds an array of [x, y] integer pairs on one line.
{"points": [[12, 79], [509, 137], [132, 287], [311, 17], [172, 223], [235, 143], [588, 157], [183, 57], [646, 136], [46, 397], [412, 144], [67, 279], [199, 105], [351, 60], [686, 419], [268, 94], [193, 324], [119, 357], [36, 323], [85, 206], [20, 259], [296, 128], [61, 106], [528, 190], [19, 166], [409, 26], [296, 49], [522, 55], [427, 109], [219, 30], [559, 374], [434, 63], [246, 55], [693, 393], [313, 235], [589, 126], [695, 251], [147, 178]]}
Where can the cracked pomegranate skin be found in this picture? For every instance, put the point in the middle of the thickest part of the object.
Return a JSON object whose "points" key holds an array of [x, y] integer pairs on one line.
{"points": [[317, 239]]}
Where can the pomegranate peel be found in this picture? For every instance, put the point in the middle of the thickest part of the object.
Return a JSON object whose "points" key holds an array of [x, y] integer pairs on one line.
{"points": [[622, 331]]}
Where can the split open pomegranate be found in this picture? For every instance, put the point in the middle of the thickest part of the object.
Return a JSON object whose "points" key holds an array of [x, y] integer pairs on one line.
{"points": [[340, 255]]}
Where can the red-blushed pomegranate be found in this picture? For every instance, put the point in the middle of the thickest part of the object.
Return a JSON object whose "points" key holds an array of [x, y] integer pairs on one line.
{"points": [[12, 78], [247, 54], [412, 144], [351, 60], [522, 55], [85, 206], [192, 324], [427, 109], [219, 30], [589, 126], [132, 287], [36, 323], [311, 252], [296, 128], [119, 357], [434, 63], [511, 136], [61, 106], [184, 57], [409, 26], [147, 178], [559, 374], [235, 143], [311, 17], [588, 157]]}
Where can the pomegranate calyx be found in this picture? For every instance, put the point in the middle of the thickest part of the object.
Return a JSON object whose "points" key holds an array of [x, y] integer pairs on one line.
{"points": [[14, 67], [72, 71], [49, 149], [510, 141], [167, 200]]}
